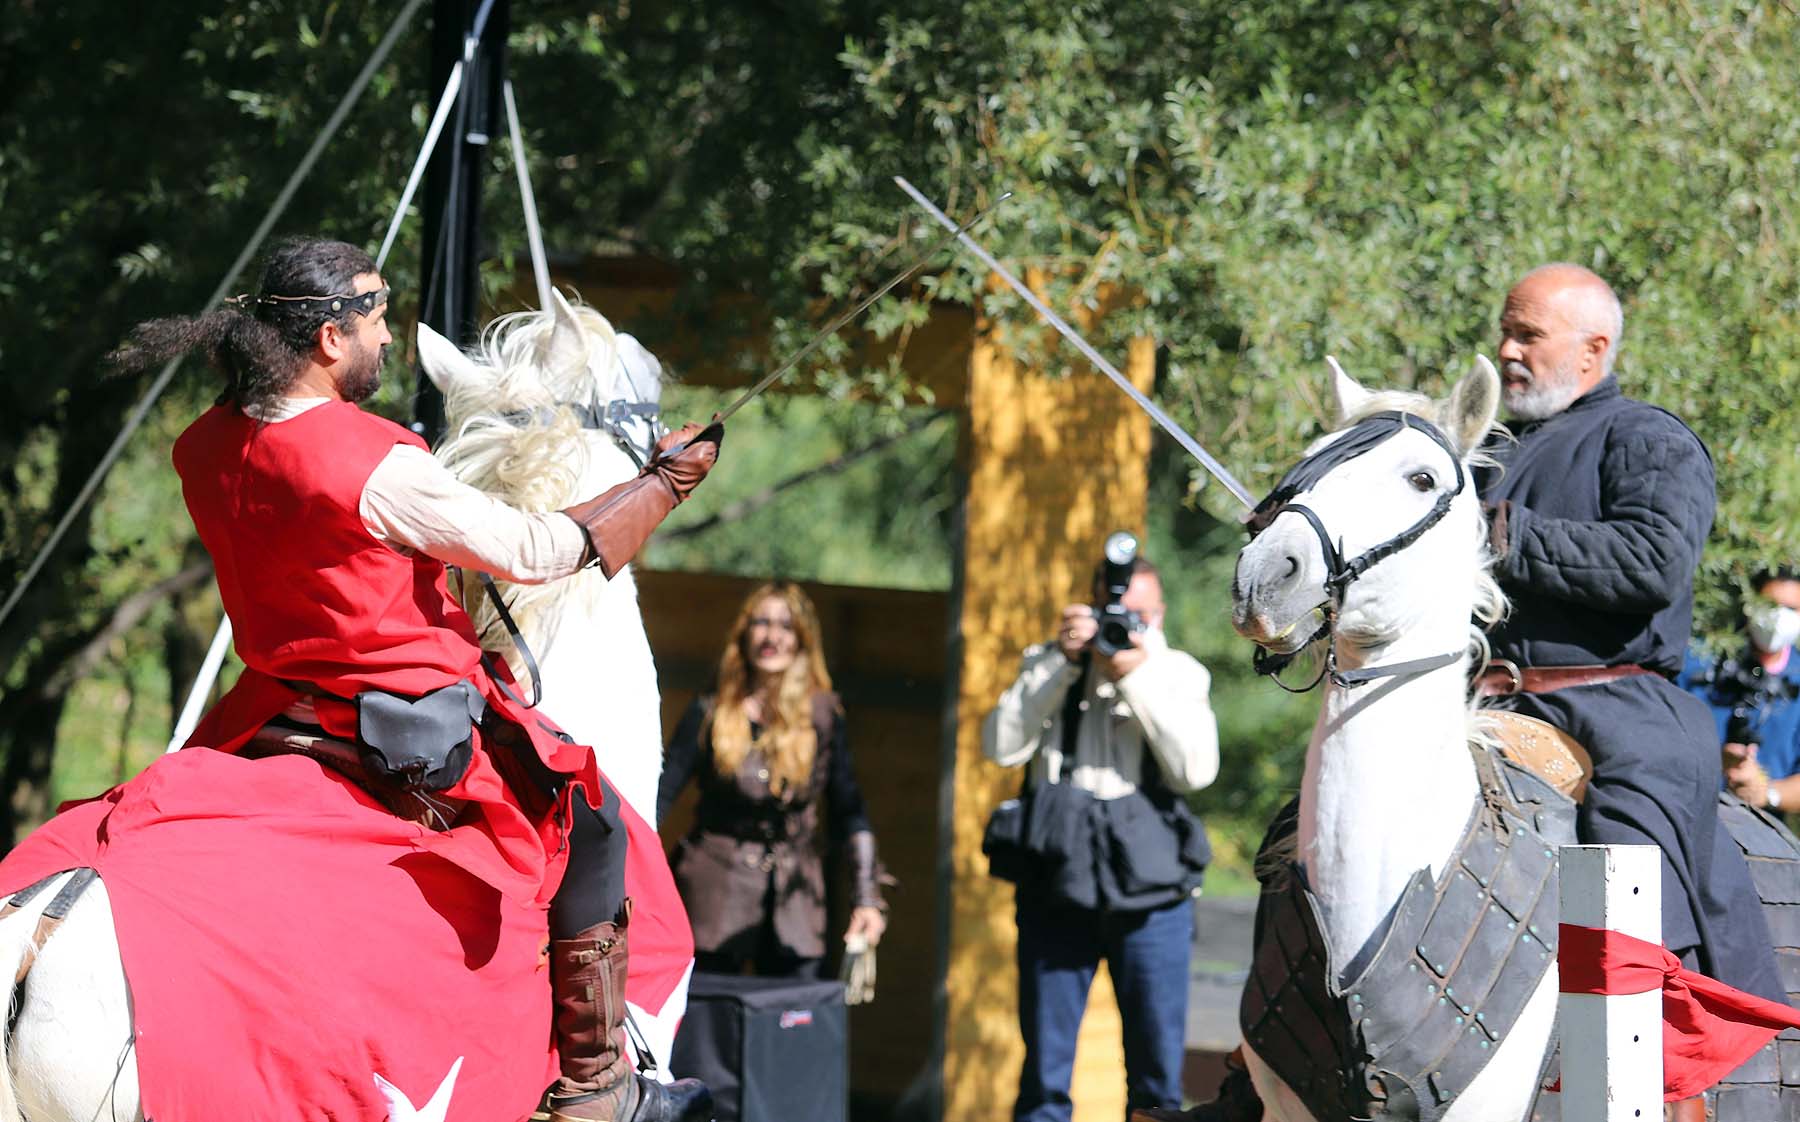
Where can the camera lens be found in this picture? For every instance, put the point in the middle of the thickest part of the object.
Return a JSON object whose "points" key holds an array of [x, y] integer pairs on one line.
{"points": [[1121, 547]]}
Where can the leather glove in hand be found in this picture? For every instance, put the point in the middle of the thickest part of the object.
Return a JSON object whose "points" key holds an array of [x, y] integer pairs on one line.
{"points": [[619, 521], [695, 450]]}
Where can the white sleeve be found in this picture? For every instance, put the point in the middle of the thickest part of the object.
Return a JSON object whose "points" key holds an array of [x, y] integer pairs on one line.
{"points": [[412, 502], [1015, 729], [1168, 695]]}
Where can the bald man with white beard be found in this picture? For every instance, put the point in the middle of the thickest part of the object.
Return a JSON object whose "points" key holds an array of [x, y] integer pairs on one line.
{"points": [[1598, 514]]}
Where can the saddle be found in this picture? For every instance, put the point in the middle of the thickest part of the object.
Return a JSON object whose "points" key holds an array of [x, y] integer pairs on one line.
{"points": [[1544, 750], [433, 811]]}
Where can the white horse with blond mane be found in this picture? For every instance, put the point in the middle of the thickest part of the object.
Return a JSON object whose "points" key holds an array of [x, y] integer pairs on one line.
{"points": [[551, 408]]}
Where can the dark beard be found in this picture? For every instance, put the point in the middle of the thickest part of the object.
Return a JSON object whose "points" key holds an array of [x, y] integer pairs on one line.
{"points": [[364, 376]]}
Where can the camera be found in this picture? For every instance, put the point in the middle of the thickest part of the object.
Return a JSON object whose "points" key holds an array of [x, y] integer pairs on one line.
{"points": [[1742, 727], [1117, 622], [1749, 689]]}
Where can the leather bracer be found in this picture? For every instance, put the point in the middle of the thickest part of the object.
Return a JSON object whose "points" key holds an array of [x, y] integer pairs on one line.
{"points": [[619, 521], [867, 876]]}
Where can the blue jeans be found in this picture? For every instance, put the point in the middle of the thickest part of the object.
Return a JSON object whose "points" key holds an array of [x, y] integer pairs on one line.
{"points": [[1147, 955]]}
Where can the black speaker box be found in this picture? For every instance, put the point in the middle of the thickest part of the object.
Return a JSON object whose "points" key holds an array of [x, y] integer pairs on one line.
{"points": [[771, 1049]]}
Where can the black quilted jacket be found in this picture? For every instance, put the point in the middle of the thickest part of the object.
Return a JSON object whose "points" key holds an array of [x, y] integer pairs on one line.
{"points": [[1612, 500]]}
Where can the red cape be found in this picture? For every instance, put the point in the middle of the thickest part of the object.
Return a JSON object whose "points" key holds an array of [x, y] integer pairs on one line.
{"points": [[285, 939]]}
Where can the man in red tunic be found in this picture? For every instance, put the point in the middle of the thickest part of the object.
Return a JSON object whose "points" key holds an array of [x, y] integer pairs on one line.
{"points": [[330, 529]]}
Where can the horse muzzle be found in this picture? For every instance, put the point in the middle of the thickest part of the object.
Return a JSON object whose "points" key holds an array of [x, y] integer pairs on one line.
{"points": [[1277, 588]]}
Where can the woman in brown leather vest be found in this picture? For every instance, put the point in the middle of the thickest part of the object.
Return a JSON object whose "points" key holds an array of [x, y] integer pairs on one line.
{"points": [[769, 753]]}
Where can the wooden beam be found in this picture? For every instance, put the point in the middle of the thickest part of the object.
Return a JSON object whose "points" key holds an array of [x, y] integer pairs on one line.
{"points": [[1053, 465]]}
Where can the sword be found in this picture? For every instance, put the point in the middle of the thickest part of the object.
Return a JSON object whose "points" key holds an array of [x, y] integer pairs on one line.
{"points": [[832, 328], [1168, 424]]}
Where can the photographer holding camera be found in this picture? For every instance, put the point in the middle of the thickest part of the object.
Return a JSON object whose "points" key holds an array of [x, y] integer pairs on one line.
{"points": [[1755, 696], [1113, 727]]}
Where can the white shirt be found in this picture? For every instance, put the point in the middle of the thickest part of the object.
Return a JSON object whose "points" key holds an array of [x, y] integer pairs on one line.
{"points": [[411, 503], [1161, 707]]}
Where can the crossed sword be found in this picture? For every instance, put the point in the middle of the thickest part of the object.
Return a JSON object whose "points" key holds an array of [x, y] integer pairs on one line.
{"points": [[960, 233]]}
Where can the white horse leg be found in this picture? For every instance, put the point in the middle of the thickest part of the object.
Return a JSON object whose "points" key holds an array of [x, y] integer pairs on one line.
{"points": [[69, 1057], [1280, 1103]]}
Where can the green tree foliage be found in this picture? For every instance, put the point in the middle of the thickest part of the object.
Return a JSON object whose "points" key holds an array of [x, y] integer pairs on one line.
{"points": [[1269, 182]]}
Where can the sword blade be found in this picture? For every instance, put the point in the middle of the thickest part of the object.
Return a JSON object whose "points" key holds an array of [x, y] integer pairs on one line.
{"points": [[1194, 448], [845, 317]]}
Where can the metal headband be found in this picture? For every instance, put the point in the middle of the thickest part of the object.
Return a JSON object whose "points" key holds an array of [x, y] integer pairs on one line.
{"points": [[330, 303]]}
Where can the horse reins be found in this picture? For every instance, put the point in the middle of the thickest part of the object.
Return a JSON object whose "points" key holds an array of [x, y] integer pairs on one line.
{"points": [[1360, 438], [610, 419]]}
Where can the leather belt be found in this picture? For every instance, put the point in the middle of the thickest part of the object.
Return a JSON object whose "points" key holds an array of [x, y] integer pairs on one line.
{"points": [[750, 830], [1503, 677]]}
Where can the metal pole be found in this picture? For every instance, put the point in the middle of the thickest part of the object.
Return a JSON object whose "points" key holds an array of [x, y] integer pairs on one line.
{"points": [[1194, 448], [450, 279], [540, 265]]}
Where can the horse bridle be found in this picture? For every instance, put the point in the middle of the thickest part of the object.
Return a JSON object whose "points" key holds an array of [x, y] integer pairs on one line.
{"points": [[611, 419], [1360, 438]]}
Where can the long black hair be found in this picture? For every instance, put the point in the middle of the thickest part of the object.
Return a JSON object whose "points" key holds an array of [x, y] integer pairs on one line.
{"points": [[260, 346]]}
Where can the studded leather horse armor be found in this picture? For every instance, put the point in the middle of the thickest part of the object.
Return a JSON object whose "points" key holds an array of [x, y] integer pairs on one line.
{"points": [[1416, 1016]]}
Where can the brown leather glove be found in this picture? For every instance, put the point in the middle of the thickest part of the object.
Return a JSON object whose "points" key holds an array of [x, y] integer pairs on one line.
{"points": [[619, 521]]}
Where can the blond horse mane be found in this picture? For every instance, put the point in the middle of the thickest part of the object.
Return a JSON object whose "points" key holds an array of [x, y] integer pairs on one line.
{"points": [[509, 438]]}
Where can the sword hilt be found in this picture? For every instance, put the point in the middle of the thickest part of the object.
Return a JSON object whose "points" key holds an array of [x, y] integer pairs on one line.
{"points": [[714, 431]]}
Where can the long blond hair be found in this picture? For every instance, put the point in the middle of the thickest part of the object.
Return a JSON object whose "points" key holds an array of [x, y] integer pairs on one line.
{"points": [[788, 744]]}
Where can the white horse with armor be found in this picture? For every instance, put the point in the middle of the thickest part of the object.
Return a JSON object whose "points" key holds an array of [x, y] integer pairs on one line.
{"points": [[558, 408], [1381, 555]]}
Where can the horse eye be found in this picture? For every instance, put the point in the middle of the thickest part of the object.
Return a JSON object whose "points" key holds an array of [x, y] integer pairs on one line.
{"points": [[1421, 481]]}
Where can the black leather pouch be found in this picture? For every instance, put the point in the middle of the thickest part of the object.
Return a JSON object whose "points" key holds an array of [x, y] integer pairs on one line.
{"points": [[422, 744]]}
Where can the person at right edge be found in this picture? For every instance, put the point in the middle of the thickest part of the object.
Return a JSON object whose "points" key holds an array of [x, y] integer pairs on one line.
{"points": [[1598, 509]]}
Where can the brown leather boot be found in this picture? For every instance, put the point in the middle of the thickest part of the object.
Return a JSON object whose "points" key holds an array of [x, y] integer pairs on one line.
{"points": [[598, 1084], [1236, 1102]]}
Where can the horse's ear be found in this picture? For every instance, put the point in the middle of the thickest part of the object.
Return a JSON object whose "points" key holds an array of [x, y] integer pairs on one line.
{"points": [[1473, 404], [444, 363], [566, 347], [1351, 397]]}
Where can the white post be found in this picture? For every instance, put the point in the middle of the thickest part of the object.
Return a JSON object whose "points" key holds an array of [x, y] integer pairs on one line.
{"points": [[203, 684], [1612, 1043]]}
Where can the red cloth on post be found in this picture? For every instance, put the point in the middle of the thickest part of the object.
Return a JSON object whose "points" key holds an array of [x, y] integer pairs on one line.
{"points": [[1709, 1028]]}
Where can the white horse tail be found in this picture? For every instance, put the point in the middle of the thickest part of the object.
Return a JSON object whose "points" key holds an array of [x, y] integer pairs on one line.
{"points": [[57, 937]]}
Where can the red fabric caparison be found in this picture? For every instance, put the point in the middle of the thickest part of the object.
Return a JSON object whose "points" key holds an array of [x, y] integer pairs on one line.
{"points": [[1709, 1028]]}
